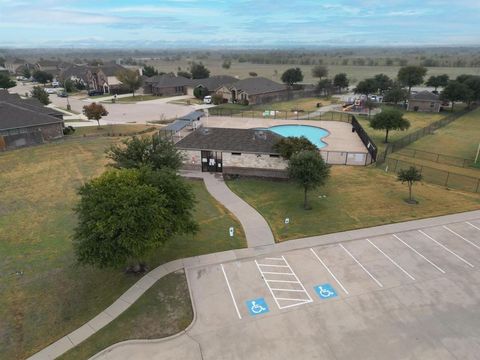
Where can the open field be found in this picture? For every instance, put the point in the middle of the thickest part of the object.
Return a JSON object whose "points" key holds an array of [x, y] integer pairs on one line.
{"points": [[44, 294], [417, 120], [164, 310], [356, 197], [355, 73]]}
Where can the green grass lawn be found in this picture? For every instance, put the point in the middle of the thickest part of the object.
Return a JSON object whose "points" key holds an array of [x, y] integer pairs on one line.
{"points": [[136, 98], [417, 120], [460, 138], [51, 295], [108, 130], [164, 310], [356, 197]]}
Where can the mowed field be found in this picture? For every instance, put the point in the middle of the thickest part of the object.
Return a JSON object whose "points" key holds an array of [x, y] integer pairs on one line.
{"points": [[355, 73], [354, 197], [44, 294]]}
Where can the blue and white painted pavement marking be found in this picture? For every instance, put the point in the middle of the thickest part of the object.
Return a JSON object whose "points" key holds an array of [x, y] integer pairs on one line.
{"points": [[325, 291], [257, 306]]}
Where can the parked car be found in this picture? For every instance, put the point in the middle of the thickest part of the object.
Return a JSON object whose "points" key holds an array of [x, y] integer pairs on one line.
{"points": [[50, 90], [207, 99], [55, 83], [62, 94], [95, 92]]}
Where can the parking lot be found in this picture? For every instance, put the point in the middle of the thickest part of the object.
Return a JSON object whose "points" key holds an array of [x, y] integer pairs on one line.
{"points": [[409, 295]]}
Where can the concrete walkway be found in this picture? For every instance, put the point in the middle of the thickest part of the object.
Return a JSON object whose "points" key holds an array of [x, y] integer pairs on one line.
{"points": [[137, 347], [257, 230]]}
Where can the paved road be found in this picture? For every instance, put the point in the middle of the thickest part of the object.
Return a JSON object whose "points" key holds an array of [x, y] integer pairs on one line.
{"points": [[410, 294]]}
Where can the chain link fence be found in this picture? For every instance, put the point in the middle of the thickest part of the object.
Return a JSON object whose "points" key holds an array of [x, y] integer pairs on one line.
{"points": [[282, 115], [438, 158]]}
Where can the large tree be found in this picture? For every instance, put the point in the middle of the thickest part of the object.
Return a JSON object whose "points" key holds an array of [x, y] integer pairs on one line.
{"points": [[155, 152], [41, 95], [324, 87], [319, 71], [125, 214], [395, 95], [389, 119], [199, 71], [456, 91], [292, 76], [366, 87], [149, 71], [309, 170], [42, 77], [409, 176], [411, 75], [95, 111], [341, 81], [437, 81], [291, 145], [383, 82], [131, 79], [6, 82]]}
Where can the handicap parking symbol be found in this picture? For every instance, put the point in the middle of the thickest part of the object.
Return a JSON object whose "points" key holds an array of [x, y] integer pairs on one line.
{"points": [[257, 306], [325, 291]]}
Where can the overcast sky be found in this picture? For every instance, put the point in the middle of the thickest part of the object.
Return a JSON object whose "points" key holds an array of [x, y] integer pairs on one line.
{"points": [[259, 23]]}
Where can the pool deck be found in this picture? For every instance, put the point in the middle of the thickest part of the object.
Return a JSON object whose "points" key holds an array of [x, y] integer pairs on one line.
{"points": [[340, 138]]}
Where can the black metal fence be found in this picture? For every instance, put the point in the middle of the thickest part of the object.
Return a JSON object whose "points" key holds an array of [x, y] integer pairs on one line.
{"points": [[367, 141], [281, 115], [436, 176], [410, 138], [438, 158]]}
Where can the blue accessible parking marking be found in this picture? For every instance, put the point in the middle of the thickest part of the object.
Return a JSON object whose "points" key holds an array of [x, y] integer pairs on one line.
{"points": [[257, 306], [325, 291]]}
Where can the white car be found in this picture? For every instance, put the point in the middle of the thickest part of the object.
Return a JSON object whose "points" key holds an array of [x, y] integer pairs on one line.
{"points": [[55, 83], [51, 90], [207, 99]]}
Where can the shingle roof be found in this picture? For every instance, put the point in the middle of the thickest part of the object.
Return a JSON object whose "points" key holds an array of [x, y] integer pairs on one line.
{"points": [[13, 116], [235, 140], [168, 80], [258, 85], [214, 82], [425, 95], [30, 103]]}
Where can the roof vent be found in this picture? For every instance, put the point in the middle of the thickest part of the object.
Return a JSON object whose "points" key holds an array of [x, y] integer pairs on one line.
{"points": [[260, 135], [205, 131]]}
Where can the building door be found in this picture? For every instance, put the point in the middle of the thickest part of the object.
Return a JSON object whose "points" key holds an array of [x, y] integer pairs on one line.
{"points": [[212, 161]]}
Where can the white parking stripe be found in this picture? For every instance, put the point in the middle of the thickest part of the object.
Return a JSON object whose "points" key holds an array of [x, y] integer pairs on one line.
{"points": [[281, 266], [269, 288], [461, 237], [231, 292], [280, 259], [275, 273], [469, 223], [391, 260], [447, 249], [416, 252], [281, 281], [293, 290], [303, 287], [359, 264], [331, 273], [292, 299]]}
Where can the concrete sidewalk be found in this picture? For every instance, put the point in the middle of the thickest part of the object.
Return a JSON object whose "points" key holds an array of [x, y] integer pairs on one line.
{"points": [[257, 230]]}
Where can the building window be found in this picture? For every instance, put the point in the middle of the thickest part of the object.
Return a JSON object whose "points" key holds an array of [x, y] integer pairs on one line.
{"points": [[236, 153], [274, 155], [432, 104]]}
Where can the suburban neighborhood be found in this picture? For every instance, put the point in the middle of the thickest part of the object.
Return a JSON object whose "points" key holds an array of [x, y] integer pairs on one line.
{"points": [[239, 180]]}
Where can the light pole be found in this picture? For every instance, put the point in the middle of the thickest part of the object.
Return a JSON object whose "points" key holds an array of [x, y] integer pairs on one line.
{"points": [[66, 92]]}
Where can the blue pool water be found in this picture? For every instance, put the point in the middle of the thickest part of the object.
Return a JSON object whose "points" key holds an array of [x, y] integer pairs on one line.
{"points": [[312, 133]]}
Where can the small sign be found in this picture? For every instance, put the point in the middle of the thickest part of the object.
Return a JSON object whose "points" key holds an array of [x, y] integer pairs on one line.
{"points": [[231, 231], [257, 306], [325, 291], [287, 221]]}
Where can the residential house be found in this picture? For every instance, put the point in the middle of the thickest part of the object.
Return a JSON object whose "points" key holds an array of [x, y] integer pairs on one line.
{"points": [[424, 101], [248, 152], [255, 90], [18, 66], [27, 122], [212, 83], [166, 85], [101, 78], [54, 67]]}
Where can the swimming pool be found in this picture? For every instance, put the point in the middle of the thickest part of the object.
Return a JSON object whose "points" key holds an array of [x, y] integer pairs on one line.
{"points": [[312, 133]]}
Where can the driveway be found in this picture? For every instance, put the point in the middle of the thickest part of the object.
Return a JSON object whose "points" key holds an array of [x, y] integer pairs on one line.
{"points": [[410, 294]]}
